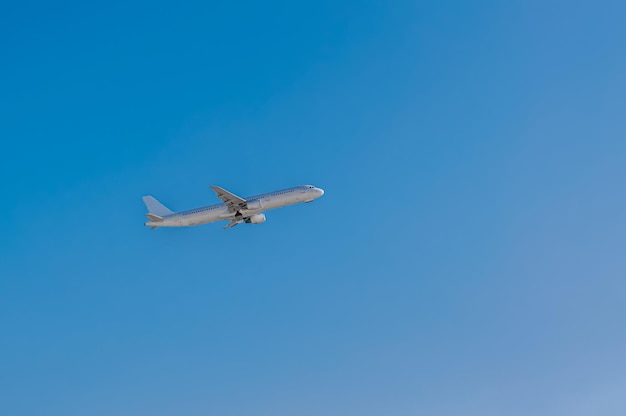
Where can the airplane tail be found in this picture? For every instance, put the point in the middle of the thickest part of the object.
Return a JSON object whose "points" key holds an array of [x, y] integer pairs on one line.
{"points": [[155, 207]]}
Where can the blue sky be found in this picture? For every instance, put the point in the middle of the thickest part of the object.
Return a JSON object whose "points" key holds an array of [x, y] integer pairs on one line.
{"points": [[466, 259]]}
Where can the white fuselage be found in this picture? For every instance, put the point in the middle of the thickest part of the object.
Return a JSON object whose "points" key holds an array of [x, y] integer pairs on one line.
{"points": [[256, 205]]}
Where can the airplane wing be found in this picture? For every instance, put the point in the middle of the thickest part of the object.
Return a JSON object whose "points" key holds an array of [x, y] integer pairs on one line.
{"points": [[232, 201], [232, 223]]}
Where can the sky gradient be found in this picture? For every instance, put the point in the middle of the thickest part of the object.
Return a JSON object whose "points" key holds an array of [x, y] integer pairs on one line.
{"points": [[467, 257]]}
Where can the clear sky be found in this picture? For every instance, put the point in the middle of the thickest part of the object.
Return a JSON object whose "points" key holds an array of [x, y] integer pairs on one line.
{"points": [[466, 259]]}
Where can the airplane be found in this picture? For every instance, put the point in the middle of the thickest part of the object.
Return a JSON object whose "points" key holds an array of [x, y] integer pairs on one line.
{"points": [[233, 208]]}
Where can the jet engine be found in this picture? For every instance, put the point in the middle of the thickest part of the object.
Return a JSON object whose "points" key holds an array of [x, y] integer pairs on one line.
{"points": [[254, 205], [256, 219]]}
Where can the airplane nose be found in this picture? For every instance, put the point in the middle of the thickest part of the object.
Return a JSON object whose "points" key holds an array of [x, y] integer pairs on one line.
{"points": [[320, 190]]}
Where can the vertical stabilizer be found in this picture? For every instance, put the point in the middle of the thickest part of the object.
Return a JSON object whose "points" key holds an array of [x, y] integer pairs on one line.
{"points": [[155, 207]]}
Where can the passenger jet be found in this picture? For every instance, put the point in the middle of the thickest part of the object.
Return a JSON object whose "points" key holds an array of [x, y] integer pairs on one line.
{"points": [[233, 208]]}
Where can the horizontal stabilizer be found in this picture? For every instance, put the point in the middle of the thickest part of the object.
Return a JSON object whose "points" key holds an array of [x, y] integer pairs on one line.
{"points": [[154, 218]]}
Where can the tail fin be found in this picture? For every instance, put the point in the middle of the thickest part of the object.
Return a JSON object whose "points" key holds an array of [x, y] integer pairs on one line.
{"points": [[155, 207]]}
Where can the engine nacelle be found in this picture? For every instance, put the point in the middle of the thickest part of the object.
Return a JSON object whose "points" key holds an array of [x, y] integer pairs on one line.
{"points": [[256, 219], [254, 205]]}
